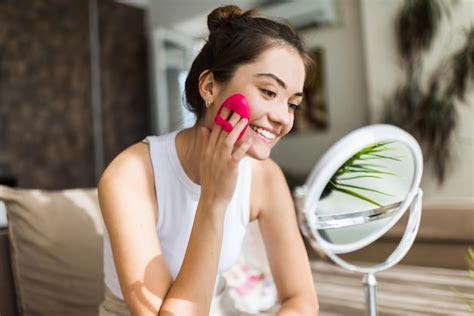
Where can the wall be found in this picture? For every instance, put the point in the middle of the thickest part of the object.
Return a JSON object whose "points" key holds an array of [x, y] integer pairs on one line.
{"points": [[45, 88], [124, 73], [346, 90], [168, 13], [384, 73]]}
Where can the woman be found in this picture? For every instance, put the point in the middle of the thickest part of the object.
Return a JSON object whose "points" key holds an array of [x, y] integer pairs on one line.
{"points": [[177, 206]]}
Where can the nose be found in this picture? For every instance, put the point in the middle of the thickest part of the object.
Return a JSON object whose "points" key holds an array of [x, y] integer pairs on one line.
{"points": [[280, 114]]}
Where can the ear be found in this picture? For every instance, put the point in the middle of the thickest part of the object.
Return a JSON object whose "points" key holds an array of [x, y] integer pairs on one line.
{"points": [[207, 86]]}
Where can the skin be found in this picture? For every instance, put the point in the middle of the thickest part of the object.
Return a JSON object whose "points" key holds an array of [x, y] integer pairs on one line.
{"points": [[210, 158]]}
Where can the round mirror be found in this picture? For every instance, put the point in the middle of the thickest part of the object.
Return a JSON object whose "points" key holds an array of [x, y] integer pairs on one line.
{"points": [[358, 191], [364, 193]]}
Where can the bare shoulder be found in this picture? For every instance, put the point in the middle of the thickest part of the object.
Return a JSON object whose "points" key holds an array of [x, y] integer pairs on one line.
{"points": [[268, 184], [134, 158], [130, 170]]}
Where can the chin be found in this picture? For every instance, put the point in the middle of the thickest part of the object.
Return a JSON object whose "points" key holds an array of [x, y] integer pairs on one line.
{"points": [[260, 148], [259, 153]]}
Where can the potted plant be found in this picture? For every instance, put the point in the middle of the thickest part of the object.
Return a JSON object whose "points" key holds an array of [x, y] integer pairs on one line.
{"points": [[428, 111]]}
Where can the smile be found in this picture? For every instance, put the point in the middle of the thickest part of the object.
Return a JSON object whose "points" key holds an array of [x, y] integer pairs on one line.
{"points": [[266, 134]]}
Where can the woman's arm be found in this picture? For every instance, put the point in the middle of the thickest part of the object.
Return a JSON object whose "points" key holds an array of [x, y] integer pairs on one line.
{"points": [[145, 280], [287, 255], [128, 204]]}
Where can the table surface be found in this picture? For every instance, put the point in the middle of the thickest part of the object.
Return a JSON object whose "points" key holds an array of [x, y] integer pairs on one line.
{"points": [[401, 290]]}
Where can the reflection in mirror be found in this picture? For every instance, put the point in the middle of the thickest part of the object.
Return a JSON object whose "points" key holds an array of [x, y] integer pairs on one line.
{"points": [[378, 251], [365, 192]]}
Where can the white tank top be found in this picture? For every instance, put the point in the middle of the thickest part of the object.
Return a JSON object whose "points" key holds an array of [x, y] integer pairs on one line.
{"points": [[177, 198]]}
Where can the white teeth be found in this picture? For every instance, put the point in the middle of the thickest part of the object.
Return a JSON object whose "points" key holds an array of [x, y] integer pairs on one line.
{"points": [[263, 132]]}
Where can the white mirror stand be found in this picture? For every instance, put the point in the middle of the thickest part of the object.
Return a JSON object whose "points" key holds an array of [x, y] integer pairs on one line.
{"points": [[312, 223]]}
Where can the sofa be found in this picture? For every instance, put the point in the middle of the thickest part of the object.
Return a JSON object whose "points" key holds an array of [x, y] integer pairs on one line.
{"points": [[51, 256], [51, 251]]}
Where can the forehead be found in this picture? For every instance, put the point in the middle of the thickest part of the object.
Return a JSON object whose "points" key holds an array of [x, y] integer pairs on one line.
{"points": [[283, 62]]}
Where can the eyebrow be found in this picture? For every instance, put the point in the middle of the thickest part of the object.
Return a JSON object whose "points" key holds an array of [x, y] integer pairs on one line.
{"points": [[278, 80]]}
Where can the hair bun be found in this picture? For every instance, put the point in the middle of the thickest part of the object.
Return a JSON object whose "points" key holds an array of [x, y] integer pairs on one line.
{"points": [[222, 15]]}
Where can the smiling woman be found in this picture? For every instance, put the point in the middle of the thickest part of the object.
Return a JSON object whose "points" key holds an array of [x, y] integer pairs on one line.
{"points": [[190, 195], [273, 90]]}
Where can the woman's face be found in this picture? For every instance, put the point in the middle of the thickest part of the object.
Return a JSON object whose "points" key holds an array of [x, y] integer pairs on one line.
{"points": [[273, 86]]}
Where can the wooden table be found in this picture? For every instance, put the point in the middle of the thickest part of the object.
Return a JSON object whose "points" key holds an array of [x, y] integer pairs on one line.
{"points": [[402, 290]]}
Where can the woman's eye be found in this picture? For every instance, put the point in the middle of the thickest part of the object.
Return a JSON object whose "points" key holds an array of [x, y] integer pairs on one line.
{"points": [[268, 93], [294, 107]]}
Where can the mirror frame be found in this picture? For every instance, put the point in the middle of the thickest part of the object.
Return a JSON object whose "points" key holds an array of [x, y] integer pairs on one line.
{"points": [[337, 155]]}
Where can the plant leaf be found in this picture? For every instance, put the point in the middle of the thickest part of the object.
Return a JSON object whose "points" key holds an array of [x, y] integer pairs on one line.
{"points": [[376, 156], [360, 196], [362, 188], [358, 177]]}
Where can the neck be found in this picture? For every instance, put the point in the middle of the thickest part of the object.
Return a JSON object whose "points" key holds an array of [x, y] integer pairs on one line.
{"points": [[188, 146]]}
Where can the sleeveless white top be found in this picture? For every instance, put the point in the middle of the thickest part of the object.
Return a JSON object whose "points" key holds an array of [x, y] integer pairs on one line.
{"points": [[177, 198]]}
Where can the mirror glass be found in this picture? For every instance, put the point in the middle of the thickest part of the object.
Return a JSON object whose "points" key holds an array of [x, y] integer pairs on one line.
{"points": [[365, 192]]}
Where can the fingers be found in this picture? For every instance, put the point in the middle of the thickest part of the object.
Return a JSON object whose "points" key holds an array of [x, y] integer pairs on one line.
{"points": [[233, 120], [225, 113], [229, 141], [226, 141], [217, 130], [240, 152]]}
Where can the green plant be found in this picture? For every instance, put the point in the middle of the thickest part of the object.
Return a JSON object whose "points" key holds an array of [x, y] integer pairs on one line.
{"points": [[416, 26], [427, 111], [359, 166], [463, 297], [430, 117], [462, 67]]}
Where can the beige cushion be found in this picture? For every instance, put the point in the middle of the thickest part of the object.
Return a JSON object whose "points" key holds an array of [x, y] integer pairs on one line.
{"points": [[56, 240], [442, 222]]}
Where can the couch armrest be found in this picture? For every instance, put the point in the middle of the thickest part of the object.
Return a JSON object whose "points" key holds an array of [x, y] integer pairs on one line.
{"points": [[445, 234], [7, 289], [449, 223]]}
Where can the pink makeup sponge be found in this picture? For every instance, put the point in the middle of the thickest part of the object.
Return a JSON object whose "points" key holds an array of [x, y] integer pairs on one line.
{"points": [[236, 103]]}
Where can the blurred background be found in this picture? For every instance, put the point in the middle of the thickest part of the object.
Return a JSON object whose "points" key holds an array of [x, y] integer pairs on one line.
{"points": [[82, 80]]}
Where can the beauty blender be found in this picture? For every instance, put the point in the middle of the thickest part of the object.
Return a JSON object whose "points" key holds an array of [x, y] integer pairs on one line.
{"points": [[236, 103]]}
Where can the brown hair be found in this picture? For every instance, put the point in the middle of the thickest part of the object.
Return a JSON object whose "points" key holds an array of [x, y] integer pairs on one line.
{"points": [[236, 38]]}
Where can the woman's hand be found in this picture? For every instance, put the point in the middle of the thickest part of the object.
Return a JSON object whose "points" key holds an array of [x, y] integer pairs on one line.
{"points": [[220, 157]]}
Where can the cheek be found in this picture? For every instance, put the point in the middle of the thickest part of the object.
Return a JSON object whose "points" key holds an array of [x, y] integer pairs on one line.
{"points": [[289, 126], [255, 109]]}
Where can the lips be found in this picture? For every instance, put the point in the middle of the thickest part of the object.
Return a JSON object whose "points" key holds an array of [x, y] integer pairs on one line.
{"points": [[264, 133]]}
